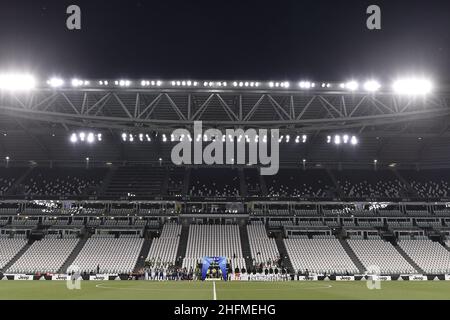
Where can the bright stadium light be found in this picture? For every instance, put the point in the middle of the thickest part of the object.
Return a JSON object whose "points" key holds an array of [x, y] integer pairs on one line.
{"points": [[305, 84], [354, 140], [297, 139], [328, 139], [99, 136], [352, 85], [337, 139], [17, 82], [90, 137], [77, 82], [124, 136], [345, 138], [304, 137], [82, 136], [372, 86], [412, 86], [55, 82], [74, 138]]}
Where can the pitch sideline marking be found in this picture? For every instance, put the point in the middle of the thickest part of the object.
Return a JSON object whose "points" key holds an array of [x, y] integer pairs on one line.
{"points": [[214, 289]]}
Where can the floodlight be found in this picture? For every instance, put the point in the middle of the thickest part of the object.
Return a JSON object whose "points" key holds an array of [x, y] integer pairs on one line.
{"points": [[17, 82], [90, 137], [74, 138], [371, 86], [337, 139], [352, 85], [55, 82], [412, 86]]}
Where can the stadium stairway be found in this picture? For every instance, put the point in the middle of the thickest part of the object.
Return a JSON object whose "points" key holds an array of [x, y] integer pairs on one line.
{"points": [[182, 246], [352, 256], [242, 183], [410, 192], [140, 263], [283, 252], [262, 184], [187, 178], [73, 255], [107, 179], [335, 183], [408, 258], [245, 245], [17, 256]]}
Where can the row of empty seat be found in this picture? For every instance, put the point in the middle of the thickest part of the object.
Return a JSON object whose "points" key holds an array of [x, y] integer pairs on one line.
{"points": [[263, 248], [164, 249], [380, 256], [110, 255], [46, 255], [214, 240]]}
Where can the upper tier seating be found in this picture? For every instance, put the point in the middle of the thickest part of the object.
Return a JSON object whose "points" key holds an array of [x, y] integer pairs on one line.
{"points": [[313, 183], [136, 181], [369, 184], [63, 181], [429, 183], [214, 182], [8, 176]]}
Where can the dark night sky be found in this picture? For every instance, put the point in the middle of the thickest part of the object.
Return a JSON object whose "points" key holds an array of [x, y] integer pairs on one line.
{"points": [[227, 39]]}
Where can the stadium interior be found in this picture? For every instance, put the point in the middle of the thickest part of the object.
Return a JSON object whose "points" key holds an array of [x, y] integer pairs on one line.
{"points": [[87, 181]]}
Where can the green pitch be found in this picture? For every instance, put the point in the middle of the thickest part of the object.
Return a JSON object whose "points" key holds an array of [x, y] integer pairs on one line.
{"points": [[223, 290]]}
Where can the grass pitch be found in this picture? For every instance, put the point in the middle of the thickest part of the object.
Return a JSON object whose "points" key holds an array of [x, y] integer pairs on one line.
{"points": [[291, 290]]}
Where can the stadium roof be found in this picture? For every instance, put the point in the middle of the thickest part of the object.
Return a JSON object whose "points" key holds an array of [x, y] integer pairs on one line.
{"points": [[403, 123]]}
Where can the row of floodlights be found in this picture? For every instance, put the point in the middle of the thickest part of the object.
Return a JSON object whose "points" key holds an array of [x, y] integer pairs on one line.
{"points": [[144, 137], [411, 86], [85, 137], [342, 139]]}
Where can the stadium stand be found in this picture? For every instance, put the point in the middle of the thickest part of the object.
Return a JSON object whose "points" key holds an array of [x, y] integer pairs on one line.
{"points": [[111, 255], [369, 184], [214, 182], [429, 183], [46, 255], [60, 181], [9, 247], [263, 248], [300, 183], [164, 249], [430, 256], [214, 240], [324, 255], [136, 181], [380, 255]]}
